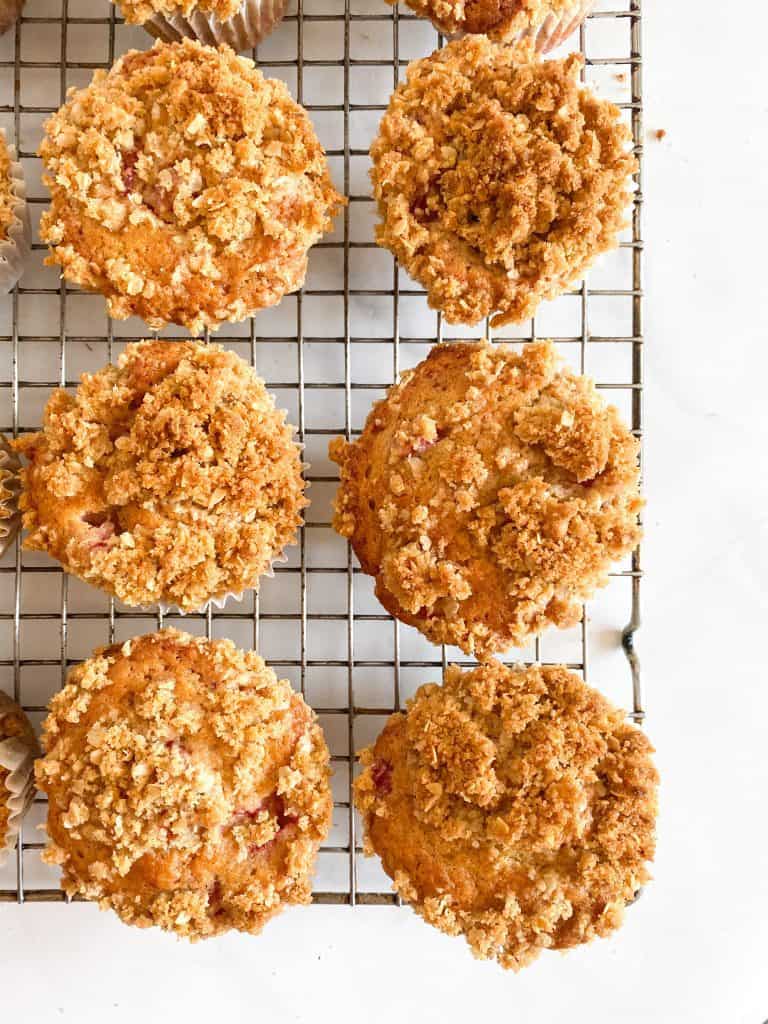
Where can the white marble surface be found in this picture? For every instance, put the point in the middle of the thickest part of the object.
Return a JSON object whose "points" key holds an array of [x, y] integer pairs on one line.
{"points": [[695, 948]]}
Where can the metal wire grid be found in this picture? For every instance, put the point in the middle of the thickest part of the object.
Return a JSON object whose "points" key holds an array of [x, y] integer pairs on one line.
{"points": [[349, 720]]}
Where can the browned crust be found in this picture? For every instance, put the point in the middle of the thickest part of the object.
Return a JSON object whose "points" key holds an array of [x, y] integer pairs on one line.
{"points": [[187, 787], [498, 179], [169, 477], [488, 495], [515, 807], [185, 187]]}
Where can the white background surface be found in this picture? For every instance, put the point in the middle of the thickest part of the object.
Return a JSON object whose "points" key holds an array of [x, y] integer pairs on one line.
{"points": [[695, 948]]}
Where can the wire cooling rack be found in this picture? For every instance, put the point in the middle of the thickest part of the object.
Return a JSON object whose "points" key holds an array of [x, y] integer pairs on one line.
{"points": [[327, 353]]}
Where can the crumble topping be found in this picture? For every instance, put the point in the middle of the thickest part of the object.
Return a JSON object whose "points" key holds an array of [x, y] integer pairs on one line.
{"points": [[168, 477], [136, 12], [187, 786], [185, 187], [518, 809], [489, 494], [498, 179]]}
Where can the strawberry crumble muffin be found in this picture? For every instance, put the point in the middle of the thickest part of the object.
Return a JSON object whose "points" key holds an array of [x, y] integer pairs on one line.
{"points": [[170, 477], [187, 787], [498, 178], [185, 187], [543, 24], [489, 494], [515, 807]]}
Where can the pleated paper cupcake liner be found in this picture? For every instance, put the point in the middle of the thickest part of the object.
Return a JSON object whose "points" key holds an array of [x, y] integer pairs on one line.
{"points": [[15, 249], [247, 28], [10, 489], [556, 27], [17, 757]]}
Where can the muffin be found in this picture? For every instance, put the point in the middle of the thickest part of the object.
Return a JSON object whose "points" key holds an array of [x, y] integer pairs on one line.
{"points": [[241, 24], [187, 787], [515, 807], [15, 233], [169, 477], [10, 486], [498, 178], [489, 494], [185, 187], [542, 24], [18, 749]]}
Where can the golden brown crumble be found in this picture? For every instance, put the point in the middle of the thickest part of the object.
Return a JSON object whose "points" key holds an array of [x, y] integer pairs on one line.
{"points": [[169, 477], [8, 197], [187, 786], [498, 179], [136, 12], [500, 20], [185, 187], [515, 807], [488, 494], [14, 724]]}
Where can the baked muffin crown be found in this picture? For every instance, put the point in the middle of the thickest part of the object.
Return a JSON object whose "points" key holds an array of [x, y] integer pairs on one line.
{"points": [[168, 477], [185, 186], [498, 179], [513, 806], [488, 494], [187, 786]]}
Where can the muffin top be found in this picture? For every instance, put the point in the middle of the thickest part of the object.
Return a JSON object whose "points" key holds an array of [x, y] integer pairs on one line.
{"points": [[136, 12], [498, 179], [515, 807], [8, 198], [185, 187], [187, 786], [169, 477], [488, 494], [500, 20]]}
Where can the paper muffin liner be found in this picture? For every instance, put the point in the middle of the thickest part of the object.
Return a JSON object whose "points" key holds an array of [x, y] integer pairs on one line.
{"points": [[254, 20], [556, 28], [10, 490], [17, 756], [15, 249]]}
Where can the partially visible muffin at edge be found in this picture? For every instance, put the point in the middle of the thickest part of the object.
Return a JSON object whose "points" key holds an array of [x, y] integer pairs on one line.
{"points": [[169, 477], [498, 179], [489, 494], [187, 787], [185, 187], [544, 23], [18, 748], [515, 807]]}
